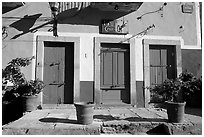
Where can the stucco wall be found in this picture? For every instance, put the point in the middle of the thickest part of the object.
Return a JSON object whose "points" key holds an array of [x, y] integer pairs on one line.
{"points": [[192, 61], [20, 42]]}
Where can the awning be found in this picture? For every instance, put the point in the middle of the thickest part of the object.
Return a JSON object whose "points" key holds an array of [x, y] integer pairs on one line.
{"points": [[63, 6], [103, 6]]}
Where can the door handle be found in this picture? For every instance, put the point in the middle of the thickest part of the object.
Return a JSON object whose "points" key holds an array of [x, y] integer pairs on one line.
{"points": [[168, 66], [53, 64], [61, 84]]}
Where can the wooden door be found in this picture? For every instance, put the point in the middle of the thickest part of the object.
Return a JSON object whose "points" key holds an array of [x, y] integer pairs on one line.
{"points": [[58, 73], [115, 75], [162, 63]]}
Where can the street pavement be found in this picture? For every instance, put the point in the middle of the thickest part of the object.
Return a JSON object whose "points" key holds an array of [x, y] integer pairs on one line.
{"points": [[107, 120]]}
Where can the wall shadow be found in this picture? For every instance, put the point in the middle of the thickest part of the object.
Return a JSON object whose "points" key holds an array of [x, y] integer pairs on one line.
{"points": [[25, 23]]}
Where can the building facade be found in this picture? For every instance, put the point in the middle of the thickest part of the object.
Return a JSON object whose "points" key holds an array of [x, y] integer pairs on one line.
{"points": [[105, 53]]}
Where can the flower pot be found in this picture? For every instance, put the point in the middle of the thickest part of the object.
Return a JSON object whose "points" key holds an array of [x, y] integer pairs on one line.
{"points": [[84, 112], [175, 111], [30, 103]]}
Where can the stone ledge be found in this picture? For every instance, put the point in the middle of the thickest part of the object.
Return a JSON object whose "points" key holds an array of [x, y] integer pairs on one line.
{"points": [[34, 131], [135, 128]]}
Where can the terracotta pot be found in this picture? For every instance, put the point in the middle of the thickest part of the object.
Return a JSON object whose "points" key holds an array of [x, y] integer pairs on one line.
{"points": [[30, 103], [84, 112], [175, 111]]}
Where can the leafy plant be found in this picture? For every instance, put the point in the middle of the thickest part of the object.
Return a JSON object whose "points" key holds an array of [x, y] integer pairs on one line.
{"points": [[168, 90], [12, 73], [32, 87], [179, 89], [191, 84]]}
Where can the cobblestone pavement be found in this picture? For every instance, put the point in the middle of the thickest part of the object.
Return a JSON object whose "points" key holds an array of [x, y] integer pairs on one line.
{"points": [[109, 120]]}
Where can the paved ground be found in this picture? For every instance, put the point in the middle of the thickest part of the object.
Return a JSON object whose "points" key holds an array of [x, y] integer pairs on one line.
{"points": [[108, 120]]}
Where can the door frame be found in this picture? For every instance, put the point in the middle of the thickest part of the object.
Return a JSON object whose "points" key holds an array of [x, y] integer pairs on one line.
{"points": [[39, 64], [97, 47], [146, 60]]}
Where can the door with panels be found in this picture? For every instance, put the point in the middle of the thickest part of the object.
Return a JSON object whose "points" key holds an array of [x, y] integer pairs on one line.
{"points": [[162, 63], [58, 72], [115, 73]]}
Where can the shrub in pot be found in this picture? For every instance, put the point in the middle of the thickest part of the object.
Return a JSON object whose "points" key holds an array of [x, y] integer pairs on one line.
{"points": [[171, 92], [21, 87], [175, 94], [29, 92], [11, 110]]}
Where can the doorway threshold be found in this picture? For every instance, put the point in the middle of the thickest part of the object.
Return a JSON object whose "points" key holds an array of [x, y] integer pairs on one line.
{"points": [[58, 106], [112, 105]]}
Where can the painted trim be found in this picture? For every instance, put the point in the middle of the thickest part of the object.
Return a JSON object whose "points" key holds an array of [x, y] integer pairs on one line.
{"points": [[86, 91], [198, 24], [78, 34], [40, 59], [97, 45], [33, 76], [139, 59], [146, 43], [179, 38], [140, 95], [191, 47]]}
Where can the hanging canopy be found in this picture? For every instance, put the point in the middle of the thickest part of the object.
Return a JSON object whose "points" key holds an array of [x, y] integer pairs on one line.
{"points": [[63, 6], [103, 6]]}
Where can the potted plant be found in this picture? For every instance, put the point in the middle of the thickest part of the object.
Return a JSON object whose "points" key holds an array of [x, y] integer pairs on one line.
{"points": [[175, 93], [29, 92], [84, 112], [21, 87], [11, 79]]}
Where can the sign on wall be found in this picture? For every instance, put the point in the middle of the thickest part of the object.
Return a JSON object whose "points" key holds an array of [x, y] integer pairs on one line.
{"points": [[187, 8], [114, 27]]}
